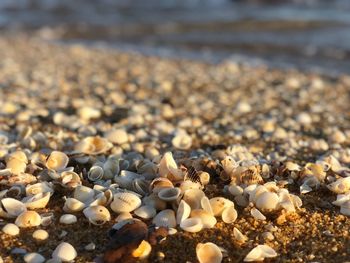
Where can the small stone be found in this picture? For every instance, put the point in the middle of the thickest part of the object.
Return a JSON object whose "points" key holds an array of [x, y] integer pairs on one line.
{"points": [[160, 255], [18, 250], [90, 247], [33, 258], [68, 219], [11, 229], [62, 234], [268, 236], [64, 252], [40, 234]]}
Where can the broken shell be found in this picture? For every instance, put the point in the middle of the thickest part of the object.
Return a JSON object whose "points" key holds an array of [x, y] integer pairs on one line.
{"points": [[183, 212], [257, 214], [169, 194], [267, 201], [10, 229], [208, 220], [37, 201], [57, 161], [182, 141], [168, 168], [341, 186], [73, 205], [193, 224], [93, 145], [218, 204], [70, 179], [193, 198], [11, 207], [145, 212], [28, 219], [97, 215], [208, 253], [239, 237], [142, 251], [64, 252], [160, 183], [47, 218], [259, 253], [165, 218], [68, 219], [229, 215], [40, 234], [125, 202], [95, 173]]}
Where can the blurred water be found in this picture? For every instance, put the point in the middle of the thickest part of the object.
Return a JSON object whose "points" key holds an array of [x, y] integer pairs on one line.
{"points": [[308, 34]]}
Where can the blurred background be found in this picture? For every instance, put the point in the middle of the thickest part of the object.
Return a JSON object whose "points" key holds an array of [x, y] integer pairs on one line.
{"points": [[306, 34]]}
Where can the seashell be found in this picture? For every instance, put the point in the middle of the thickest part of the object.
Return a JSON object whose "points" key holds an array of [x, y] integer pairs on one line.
{"points": [[64, 252], [229, 215], [165, 218], [68, 219], [160, 183], [84, 194], [193, 198], [147, 169], [208, 220], [260, 189], [142, 251], [47, 218], [37, 201], [182, 141], [42, 187], [257, 214], [16, 166], [122, 223], [218, 205], [33, 258], [93, 145], [117, 136], [341, 186], [28, 219], [235, 190], [123, 216], [126, 178], [10, 229], [169, 194], [57, 161], [172, 231], [40, 234], [259, 253], [193, 224], [250, 176], [70, 179], [187, 185], [208, 253], [145, 212], [345, 208], [19, 155], [241, 200], [313, 169], [11, 208], [168, 168], [125, 202], [267, 201], [205, 204], [154, 201], [204, 178], [140, 186], [73, 205], [290, 166], [265, 171], [14, 192], [95, 173], [183, 212], [111, 167], [239, 237], [97, 215]]}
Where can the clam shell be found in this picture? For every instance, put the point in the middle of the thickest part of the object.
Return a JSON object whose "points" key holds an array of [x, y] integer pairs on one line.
{"points": [[33, 258], [84, 194], [208, 253], [140, 186], [70, 179], [169, 194], [40, 234], [47, 218], [95, 173], [165, 218], [57, 161], [93, 145], [97, 215], [257, 214], [19, 155], [267, 201], [28, 219], [182, 141], [229, 215], [42, 187], [154, 201], [64, 252], [208, 220], [341, 186], [142, 251], [259, 253], [68, 219], [145, 212], [193, 198], [193, 224], [160, 183], [117, 136], [187, 185], [218, 204], [73, 205], [37, 201], [183, 212], [126, 178], [125, 202], [168, 168], [10, 229], [111, 168], [205, 204], [235, 190], [123, 216], [11, 207], [16, 166], [239, 237]]}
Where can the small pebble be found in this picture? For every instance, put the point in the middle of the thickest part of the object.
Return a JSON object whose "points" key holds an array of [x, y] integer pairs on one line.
{"points": [[160, 255], [18, 250], [11, 229], [40, 234], [64, 252], [90, 247], [68, 219], [33, 258], [62, 234], [268, 236]]}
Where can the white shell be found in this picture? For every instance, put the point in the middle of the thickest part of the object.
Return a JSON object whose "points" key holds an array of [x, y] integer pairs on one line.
{"points": [[64, 252], [97, 215], [208, 220], [123, 216], [84, 194], [73, 205], [229, 215], [95, 173], [160, 183], [259, 253], [117, 136], [126, 178], [267, 201], [193, 198], [11, 229], [47, 218], [28, 219], [125, 202], [218, 204], [165, 218], [235, 190], [341, 186], [68, 219], [168, 168], [40, 234], [142, 251], [183, 211], [33, 258], [257, 214], [42, 187], [37, 201], [169, 194], [182, 141], [93, 145], [192, 225], [155, 201], [239, 236], [205, 204], [208, 253], [145, 212], [12, 207], [140, 186], [57, 161]]}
